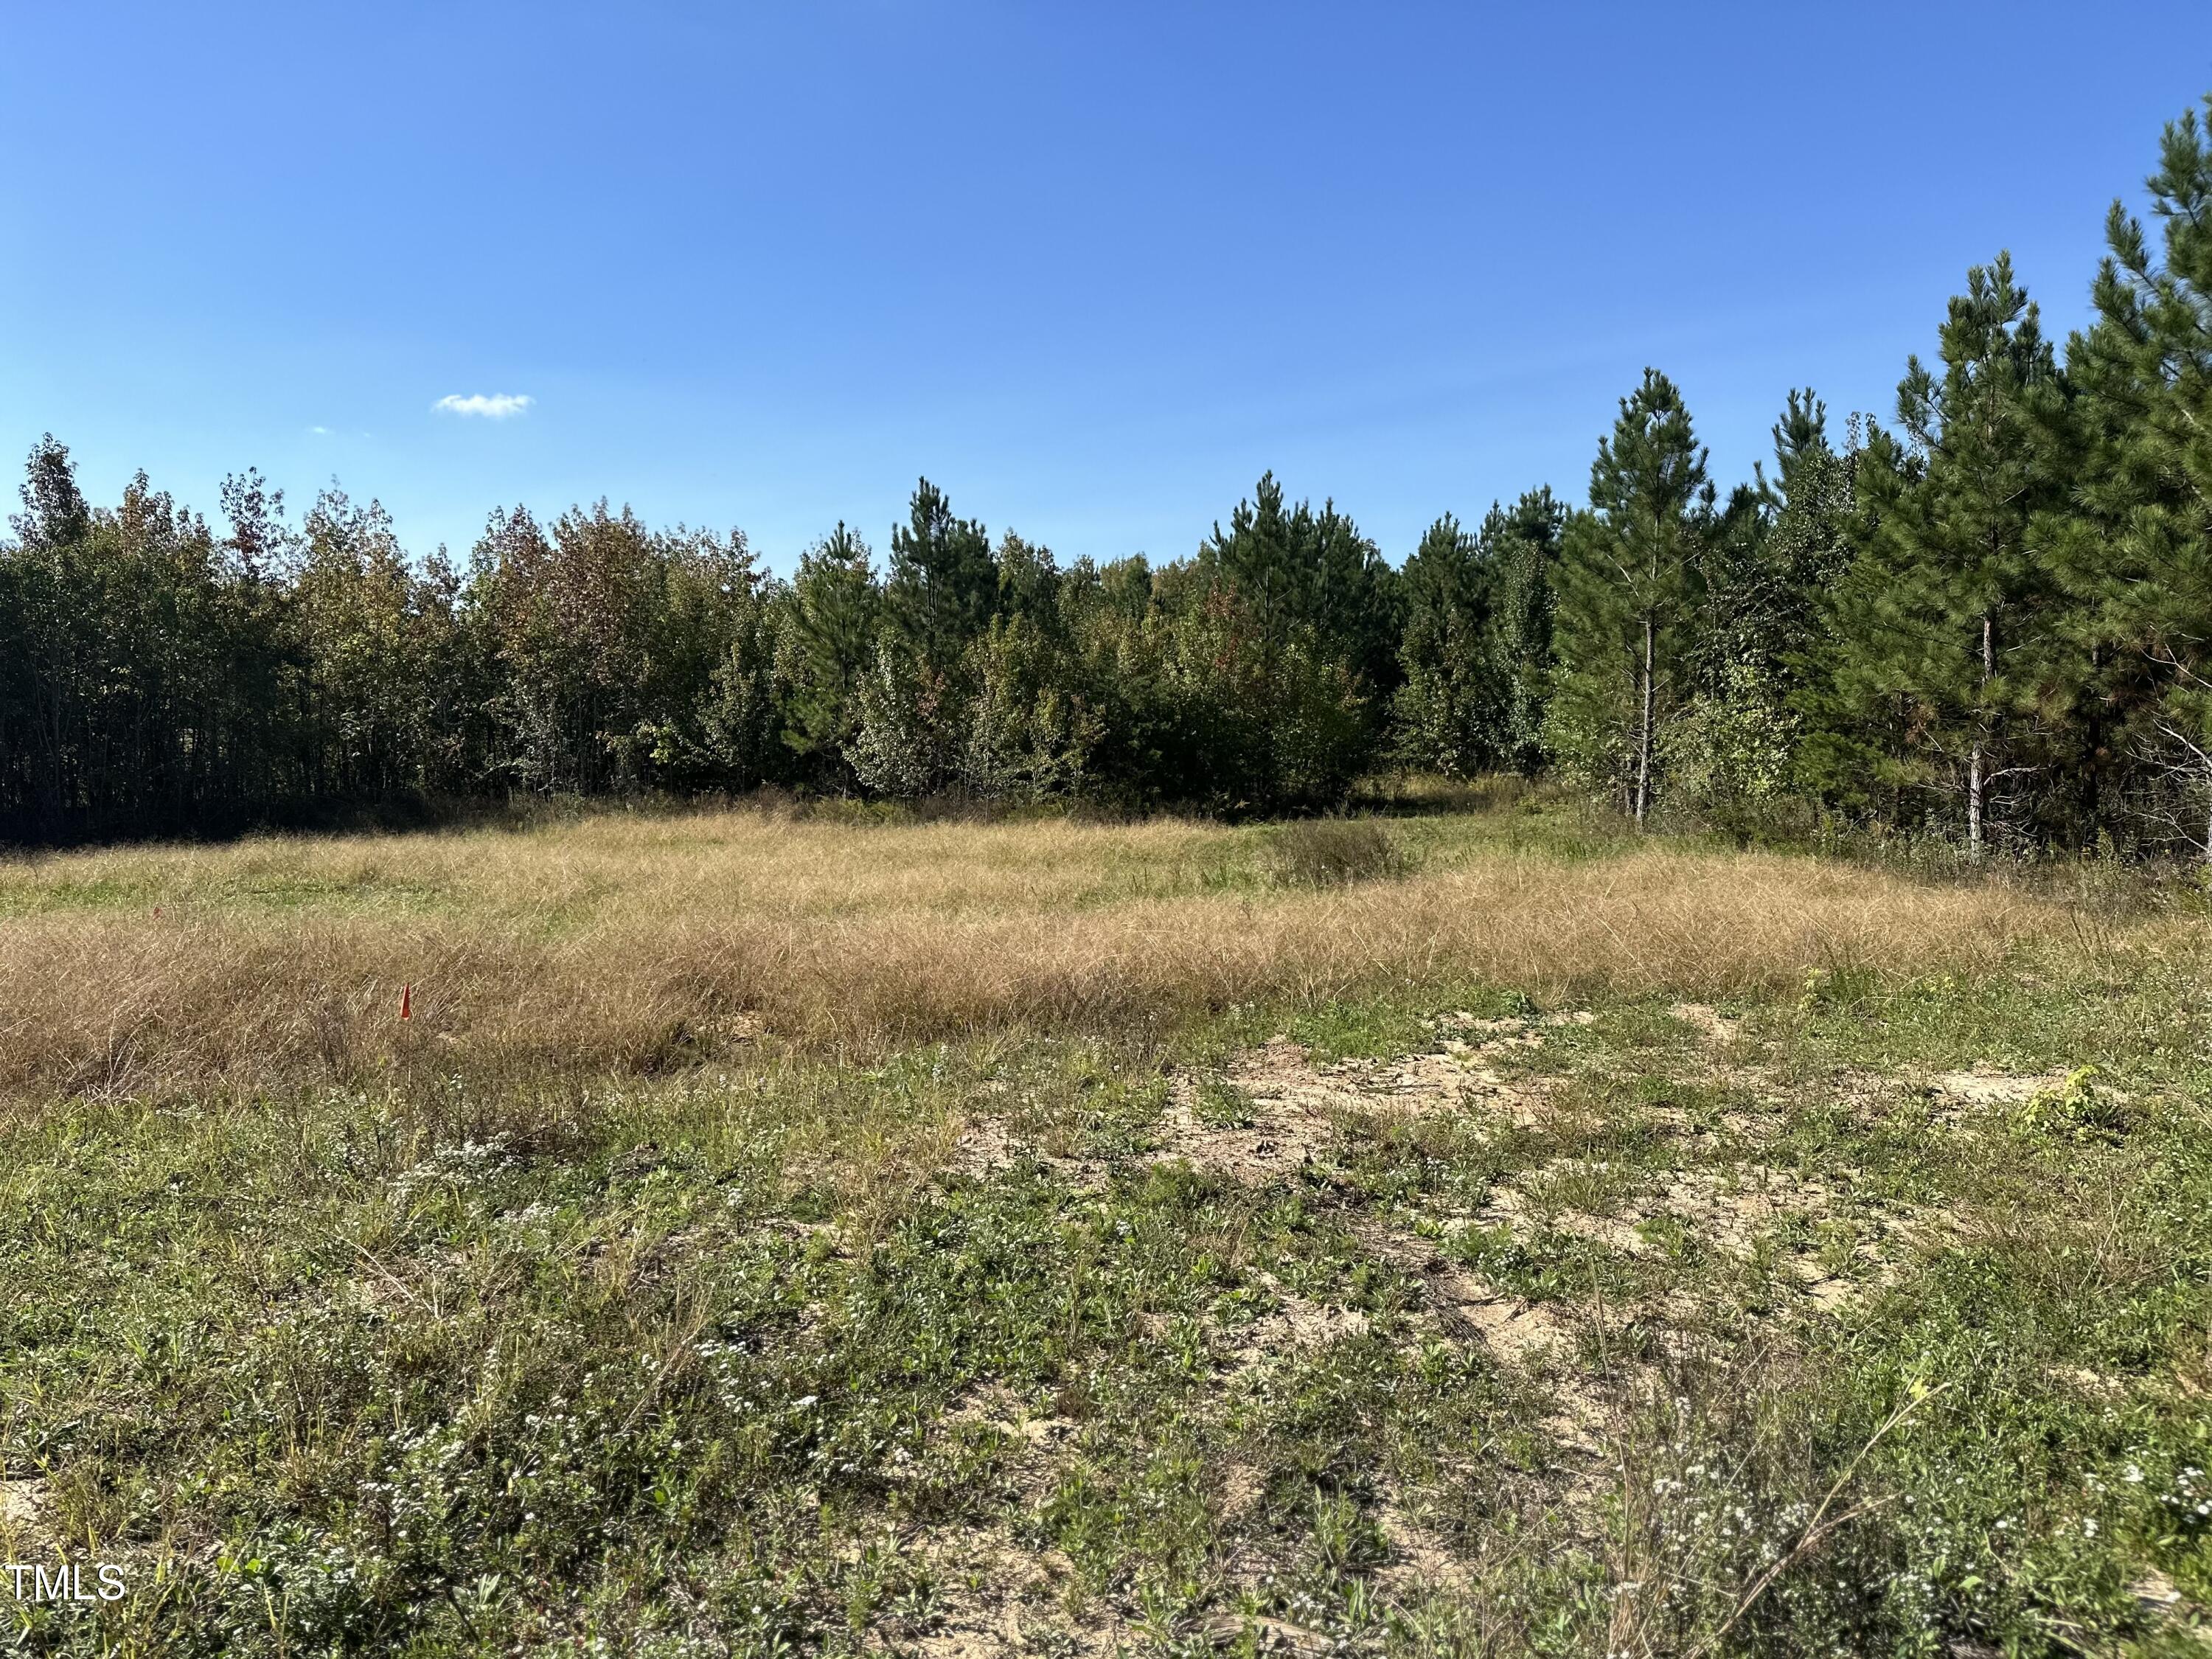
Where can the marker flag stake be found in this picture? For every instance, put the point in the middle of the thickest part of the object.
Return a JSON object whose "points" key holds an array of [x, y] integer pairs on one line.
{"points": [[406, 1002]]}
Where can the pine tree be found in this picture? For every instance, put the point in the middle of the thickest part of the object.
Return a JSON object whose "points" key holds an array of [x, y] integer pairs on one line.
{"points": [[1770, 556], [1356, 607], [1258, 557], [944, 585], [1784, 545], [1945, 619], [2135, 549], [1029, 583], [1288, 619], [1629, 574], [1448, 710], [1293, 569], [1520, 551], [51, 647], [832, 614], [1475, 648]]}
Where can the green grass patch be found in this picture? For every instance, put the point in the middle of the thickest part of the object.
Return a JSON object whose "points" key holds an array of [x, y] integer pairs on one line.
{"points": [[777, 1354]]}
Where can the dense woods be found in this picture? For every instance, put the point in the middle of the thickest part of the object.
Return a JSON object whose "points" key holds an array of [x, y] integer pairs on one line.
{"points": [[1989, 618]]}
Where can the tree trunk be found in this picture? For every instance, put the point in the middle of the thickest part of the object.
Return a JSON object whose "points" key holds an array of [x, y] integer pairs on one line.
{"points": [[2092, 783], [1974, 802], [1975, 781], [1644, 740]]}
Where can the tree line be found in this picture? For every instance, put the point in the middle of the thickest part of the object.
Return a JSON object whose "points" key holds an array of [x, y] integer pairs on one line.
{"points": [[1991, 618]]}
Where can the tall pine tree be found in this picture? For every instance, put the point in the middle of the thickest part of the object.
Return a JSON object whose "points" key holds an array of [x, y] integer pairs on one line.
{"points": [[2136, 563], [1945, 619], [944, 585], [1629, 577], [1520, 549], [1449, 710], [832, 612]]}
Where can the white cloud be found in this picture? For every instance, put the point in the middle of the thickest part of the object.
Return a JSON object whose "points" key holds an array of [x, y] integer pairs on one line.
{"points": [[320, 431], [497, 407]]}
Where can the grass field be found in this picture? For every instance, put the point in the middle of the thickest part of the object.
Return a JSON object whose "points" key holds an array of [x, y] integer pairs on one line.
{"points": [[1482, 1233]]}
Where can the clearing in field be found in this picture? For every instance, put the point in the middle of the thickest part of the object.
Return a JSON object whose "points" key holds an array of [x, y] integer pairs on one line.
{"points": [[1478, 1232]]}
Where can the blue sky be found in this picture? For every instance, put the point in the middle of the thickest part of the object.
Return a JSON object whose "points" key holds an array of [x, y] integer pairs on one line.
{"points": [[1090, 268]]}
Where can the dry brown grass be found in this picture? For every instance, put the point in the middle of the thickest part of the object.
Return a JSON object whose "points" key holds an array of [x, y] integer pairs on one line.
{"points": [[639, 943]]}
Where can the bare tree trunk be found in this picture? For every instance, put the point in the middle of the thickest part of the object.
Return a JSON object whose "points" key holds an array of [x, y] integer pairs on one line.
{"points": [[2093, 783], [1975, 782], [1974, 802], [1644, 743]]}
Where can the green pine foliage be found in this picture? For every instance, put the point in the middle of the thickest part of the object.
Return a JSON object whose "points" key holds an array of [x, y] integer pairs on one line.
{"points": [[1293, 569], [2135, 550], [944, 583], [1772, 554], [1630, 575], [829, 616], [1945, 622], [1990, 622], [1474, 652], [1520, 549], [1450, 709]]}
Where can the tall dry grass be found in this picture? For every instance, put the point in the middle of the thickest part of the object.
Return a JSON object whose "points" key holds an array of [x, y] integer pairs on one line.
{"points": [[641, 944]]}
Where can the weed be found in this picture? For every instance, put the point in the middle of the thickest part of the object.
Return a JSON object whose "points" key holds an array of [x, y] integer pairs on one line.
{"points": [[1325, 851], [1222, 1105], [2076, 1109]]}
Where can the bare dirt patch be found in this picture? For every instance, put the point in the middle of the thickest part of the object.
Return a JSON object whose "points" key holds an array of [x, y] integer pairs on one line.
{"points": [[1295, 1325], [1985, 1085], [22, 1509], [1460, 1074], [1294, 1106], [984, 1147], [998, 1597], [1274, 1114], [1732, 1207], [1708, 1020], [1420, 1559], [1000, 1409]]}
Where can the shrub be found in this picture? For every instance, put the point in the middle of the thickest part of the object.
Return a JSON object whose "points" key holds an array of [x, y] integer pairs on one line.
{"points": [[1323, 852]]}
